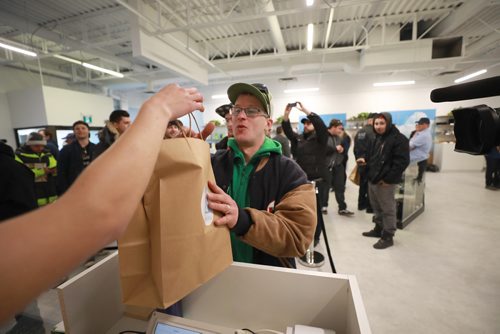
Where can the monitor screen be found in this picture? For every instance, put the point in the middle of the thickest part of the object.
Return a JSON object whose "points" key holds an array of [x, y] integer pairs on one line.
{"points": [[162, 328]]}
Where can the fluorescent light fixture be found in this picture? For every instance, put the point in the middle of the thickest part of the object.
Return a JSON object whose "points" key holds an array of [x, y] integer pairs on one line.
{"points": [[19, 50], [219, 96], [103, 70], [300, 90], [309, 3], [469, 76], [394, 83], [71, 60], [310, 35]]}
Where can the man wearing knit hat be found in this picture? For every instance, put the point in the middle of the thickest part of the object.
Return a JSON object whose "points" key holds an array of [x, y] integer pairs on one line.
{"points": [[43, 164]]}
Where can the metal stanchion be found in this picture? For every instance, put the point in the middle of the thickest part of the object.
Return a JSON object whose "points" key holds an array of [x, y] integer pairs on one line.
{"points": [[312, 258]]}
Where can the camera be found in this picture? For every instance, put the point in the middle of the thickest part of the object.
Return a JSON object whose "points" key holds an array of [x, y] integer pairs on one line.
{"points": [[293, 104], [477, 128]]}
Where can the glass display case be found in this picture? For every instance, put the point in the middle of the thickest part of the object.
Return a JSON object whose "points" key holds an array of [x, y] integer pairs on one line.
{"points": [[410, 196]]}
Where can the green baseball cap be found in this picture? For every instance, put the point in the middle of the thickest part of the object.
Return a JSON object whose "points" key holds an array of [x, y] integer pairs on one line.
{"points": [[258, 90]]}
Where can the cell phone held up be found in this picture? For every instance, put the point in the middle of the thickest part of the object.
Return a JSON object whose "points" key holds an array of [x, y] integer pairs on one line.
{"points": [[291, 105]]}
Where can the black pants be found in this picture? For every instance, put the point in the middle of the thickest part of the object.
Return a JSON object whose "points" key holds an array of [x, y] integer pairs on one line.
{"points": [[422, 165], [363, 197], [492, 174], [338, 178], [320, 222], [324, 189]]}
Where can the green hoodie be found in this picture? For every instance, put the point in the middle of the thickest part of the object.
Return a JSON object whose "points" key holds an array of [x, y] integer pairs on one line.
{"points": [[238, 189]]}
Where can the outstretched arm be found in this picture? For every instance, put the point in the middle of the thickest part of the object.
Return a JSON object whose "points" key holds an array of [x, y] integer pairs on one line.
{"points": [[40, 247]]}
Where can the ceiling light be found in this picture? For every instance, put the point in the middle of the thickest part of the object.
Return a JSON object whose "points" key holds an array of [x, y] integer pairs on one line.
{"points": [[310, 35], [309, 3], [71, 60], [19, 50], [103, 70], [219, 96], [394, 83], [469, 76], [300, 90]]}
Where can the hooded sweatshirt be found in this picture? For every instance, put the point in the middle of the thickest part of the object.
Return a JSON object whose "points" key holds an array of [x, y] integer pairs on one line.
{"points": [[238, 189], [389, 155]]}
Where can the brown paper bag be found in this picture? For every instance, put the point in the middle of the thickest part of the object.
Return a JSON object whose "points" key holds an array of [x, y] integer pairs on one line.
{"points": [[171, 246], [355, 177]]}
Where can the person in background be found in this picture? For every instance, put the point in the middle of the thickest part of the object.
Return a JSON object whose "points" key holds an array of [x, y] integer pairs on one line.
{"points": [[17, 184], [119, 122], [492, 173], [17, 196], [224, 112], [310, 151], [283, 140], [42, 246], [51, 143], [386, 162], [362, 142], [43, 165], [420, 146], [174, 129], [337, 169], [267, 203], [74, 157], [70, 137], [346, 144]]}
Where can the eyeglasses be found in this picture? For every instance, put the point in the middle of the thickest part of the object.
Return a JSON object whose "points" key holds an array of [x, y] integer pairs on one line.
{"points": [[251, 112]]}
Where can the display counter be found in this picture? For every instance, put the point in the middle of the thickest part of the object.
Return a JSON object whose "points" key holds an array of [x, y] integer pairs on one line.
{"points": [[242, 296]]}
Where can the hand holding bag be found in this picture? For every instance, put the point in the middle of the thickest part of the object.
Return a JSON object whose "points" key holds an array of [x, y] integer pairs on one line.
{"points": [[171, 246], [355, 177]]}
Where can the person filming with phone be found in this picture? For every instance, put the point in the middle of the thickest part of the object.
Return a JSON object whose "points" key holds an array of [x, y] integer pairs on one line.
{"points": [[309, 150]]}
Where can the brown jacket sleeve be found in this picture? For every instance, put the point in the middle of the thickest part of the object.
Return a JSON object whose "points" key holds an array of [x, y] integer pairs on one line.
{"points": [[288, 231]]}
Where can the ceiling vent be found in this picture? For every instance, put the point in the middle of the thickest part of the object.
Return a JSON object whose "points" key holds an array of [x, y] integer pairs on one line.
{"points": [[286, 79]]}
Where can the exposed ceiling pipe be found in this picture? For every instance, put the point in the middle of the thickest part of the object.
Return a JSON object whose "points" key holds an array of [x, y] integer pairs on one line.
{"points": [[274, 24], [328, 27]]}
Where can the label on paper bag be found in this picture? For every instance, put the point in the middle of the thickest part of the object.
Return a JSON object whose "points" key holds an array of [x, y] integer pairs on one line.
{"points": [[206, 212]]}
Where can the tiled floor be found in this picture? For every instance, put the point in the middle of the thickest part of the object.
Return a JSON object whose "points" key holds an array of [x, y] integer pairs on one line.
{"points": [[442, 275]]}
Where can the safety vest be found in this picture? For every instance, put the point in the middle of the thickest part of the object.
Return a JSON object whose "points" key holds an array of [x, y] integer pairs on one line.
{"points": [[45, 184]]}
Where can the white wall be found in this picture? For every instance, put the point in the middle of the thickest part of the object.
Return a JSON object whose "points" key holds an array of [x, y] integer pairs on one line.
{"points": [[351, 95], [64, 107], [6, 131], [27, 107]]}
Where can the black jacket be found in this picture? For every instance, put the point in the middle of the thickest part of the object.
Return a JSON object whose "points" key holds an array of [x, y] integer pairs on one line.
{"points": [[107, 136], [363, 141], [222, 144], [17, 185], [70, 164], [310, 149], [389, 155], [285, 145], [279, 187]]}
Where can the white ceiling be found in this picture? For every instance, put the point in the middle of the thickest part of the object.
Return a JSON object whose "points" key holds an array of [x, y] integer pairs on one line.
{"points": [[153, 42]]}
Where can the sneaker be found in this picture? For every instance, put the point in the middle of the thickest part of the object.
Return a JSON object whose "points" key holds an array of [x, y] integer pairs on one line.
{"points": [[324, 210], [384, 243], [373, 233], [491, 187], [345, 212]]}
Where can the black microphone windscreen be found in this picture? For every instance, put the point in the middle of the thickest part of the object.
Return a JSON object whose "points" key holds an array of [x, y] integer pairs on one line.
{"points": [[471, 90]]}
